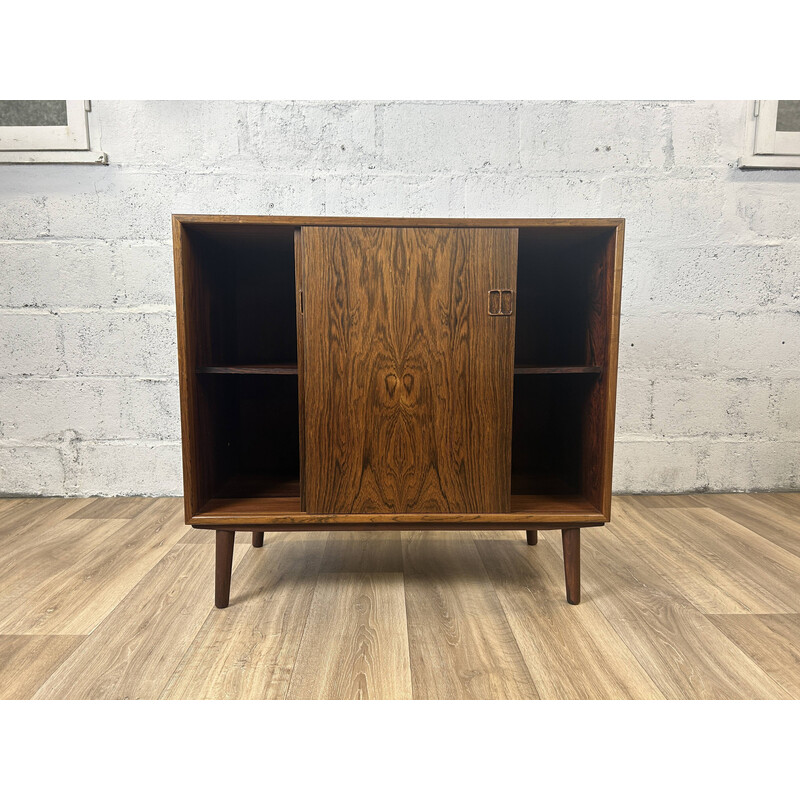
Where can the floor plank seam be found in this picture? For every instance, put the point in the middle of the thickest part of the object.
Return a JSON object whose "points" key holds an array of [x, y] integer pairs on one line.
{"points": [[757, 667], [302, 636], [503, 610]]}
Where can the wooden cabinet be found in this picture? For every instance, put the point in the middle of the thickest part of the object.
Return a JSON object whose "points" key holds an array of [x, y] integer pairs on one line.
{"points": [[397, 374]]}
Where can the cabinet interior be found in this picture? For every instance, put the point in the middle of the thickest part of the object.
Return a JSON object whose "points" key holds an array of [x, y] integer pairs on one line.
{"points": [[560, 354], [246, 372], [249, 277]]}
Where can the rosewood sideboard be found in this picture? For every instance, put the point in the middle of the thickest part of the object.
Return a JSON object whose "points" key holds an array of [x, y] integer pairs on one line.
{"points": [[390, 374]]}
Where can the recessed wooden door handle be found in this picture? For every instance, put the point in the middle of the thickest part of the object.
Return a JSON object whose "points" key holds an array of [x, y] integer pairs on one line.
{"points": [[501, 302]]}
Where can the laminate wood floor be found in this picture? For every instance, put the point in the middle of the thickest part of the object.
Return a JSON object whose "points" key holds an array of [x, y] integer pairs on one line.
{"points": [[684, 597]]}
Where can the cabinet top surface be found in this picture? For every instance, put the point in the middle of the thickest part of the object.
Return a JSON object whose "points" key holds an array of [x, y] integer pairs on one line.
{"points": [[234, 220]]}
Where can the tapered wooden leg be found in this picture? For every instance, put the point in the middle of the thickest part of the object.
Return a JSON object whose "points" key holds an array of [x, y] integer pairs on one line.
{"points": [[571, 541], [222, 586], [258, 538], [533, 537]]}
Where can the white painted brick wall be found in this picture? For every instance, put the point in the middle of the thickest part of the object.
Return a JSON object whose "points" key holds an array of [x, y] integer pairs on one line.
{"points": [[709, 387]]}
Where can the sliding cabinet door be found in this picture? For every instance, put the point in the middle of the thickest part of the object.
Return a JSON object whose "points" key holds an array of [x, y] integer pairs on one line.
{"points": [[407, 375]]}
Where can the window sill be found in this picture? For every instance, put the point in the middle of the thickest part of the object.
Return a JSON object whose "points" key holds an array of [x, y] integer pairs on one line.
{"points": [[769, 162], [53, 157]]}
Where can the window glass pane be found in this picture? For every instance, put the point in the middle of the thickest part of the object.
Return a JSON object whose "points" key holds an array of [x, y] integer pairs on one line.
{"points": [[788, 115], [33, 112]]}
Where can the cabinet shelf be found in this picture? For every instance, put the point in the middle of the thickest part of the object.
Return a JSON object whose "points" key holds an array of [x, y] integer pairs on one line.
{"points": [[250, 369], [285, 510], [524, 369]]}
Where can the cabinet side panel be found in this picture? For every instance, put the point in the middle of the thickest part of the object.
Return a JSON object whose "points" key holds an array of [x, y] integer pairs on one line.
{"points": [[614, 257], [603, 343], [408, 379], [192, 305], [299, 300]]}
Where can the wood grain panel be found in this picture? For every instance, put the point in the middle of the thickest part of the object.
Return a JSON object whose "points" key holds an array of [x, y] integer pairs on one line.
{"points": [[34, 570], [29, 541], [250, 369], [355, 643], [301, 395], [248, 650], [279, 513], [788, 501], [597, 423], [460, 642], [657, 501], [571, 652], [134, 651], [27, 661], [771, 640], [721, 567], [87, 580], [772, 516], [569, 227], [191, 305], [685, 655], [34, 514], [591, 369], [113, 508], [407, 378], [356, 551]]}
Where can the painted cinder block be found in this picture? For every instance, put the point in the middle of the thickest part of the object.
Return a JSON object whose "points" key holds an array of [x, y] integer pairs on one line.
{"points": [[785, 406], [523, 195], [145, 273], [57, 274], [707, 134], [711, 297], [448, 137], [770, 208], [149, 408], [678, 211], [666, 342], [334, 137], [634, 404], [42, 409], [395, 195], [127, 468], [23, 214], [31, 343], [711, 406], [585, 137], [658, 466], [739, 466], [56, 409], [765, 343], [120, 343], [31, 470], [197, 135], [711, 279]]}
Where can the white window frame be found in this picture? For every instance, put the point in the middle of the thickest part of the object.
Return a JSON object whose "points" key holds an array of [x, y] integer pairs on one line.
{"points": [[767, 147], [52, 144]]}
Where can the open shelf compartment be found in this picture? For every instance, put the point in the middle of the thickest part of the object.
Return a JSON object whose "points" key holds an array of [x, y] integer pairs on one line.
{"points": [[251, 445], [241, 317], [560, 379], [246, 279], [559, 305]]}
